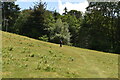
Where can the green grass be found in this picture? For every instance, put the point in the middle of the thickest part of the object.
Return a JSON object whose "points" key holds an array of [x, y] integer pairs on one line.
{"points": [[24, 57]]}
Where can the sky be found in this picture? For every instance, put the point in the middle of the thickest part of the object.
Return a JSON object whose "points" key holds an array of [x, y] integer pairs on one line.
{"points": [[57, 5]]}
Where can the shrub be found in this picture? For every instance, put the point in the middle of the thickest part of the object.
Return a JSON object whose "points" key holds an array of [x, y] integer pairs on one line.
{"points": [[44, 38]]}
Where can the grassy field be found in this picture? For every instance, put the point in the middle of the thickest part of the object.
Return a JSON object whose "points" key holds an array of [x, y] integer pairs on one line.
{"points": [[24, 57]]}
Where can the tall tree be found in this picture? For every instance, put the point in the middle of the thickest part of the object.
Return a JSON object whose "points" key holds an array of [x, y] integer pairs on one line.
{"points": [[73, 18], [56, 15], [0, 15], [76, 13], [34, 22], [100, 24], [60, 31], [20, 25], [10, 13]]}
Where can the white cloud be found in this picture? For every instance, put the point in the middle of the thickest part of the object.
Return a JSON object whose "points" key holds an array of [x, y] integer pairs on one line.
{"points": [[73, 6]]}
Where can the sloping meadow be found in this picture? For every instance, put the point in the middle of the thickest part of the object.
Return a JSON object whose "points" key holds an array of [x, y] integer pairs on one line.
{"points": [[24, 57]]}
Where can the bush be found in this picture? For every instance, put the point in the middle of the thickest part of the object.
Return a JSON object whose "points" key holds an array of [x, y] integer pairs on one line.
{"points": [[44, 38]]}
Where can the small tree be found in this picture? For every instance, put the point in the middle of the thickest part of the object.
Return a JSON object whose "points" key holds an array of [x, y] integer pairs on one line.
{"points": [[60, 31]]}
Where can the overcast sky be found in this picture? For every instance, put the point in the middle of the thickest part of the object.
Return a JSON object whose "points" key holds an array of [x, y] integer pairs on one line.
{"points": [[58, 5]]}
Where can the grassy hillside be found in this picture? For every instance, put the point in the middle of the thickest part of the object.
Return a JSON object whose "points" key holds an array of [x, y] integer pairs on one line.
{"points": [[30, 58]]}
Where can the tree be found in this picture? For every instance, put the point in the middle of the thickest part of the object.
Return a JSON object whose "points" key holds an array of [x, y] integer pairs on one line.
{"points": [[60, 31], [0, 15], [34, 21], [20, 24], [56, 15], [10, 12], [101, 27], [73, 18], [76, 13], [65, 9]]}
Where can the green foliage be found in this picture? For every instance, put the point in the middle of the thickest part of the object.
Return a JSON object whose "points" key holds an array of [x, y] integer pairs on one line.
{"points": [[19, 25], [32, 22], [10, 12], [73, 18], [60, 31], [56, 15], [99, 28], [44, 38]]}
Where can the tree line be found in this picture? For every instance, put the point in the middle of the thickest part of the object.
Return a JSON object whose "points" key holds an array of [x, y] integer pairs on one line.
{"points": [[98, 28]]}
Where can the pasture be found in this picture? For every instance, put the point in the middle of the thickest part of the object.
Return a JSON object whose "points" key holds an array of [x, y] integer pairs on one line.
{"points": [[24, 57]]}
